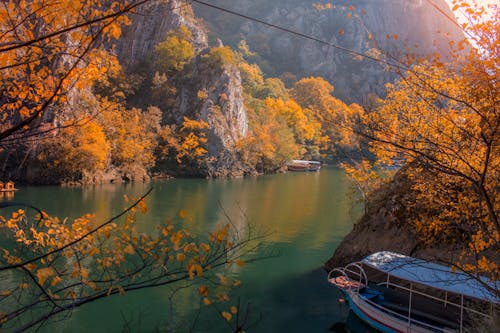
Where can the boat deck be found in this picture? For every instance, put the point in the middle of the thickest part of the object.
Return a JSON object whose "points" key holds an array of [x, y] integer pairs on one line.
{"points": [[422, 309]]}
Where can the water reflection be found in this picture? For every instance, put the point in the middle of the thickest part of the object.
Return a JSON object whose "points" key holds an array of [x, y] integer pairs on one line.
{"points": [[306, 213]]}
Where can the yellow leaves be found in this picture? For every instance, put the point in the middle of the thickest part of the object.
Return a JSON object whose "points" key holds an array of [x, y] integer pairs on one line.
{"points": [[86, 266], [194, 269], [220, 234], [325, 6], [5, 293], [174, 52], [113, 31], [219, 56], [129, 249], [181, 257], [239, 262], [251, 76], [176, 239], [233, 310], [191, 247], [182, 214], [44, 273], [143, 206], [205, 247], [202, 95], [226, 315], [189, 142], [30, 266], [203, 291], [55, 281]]}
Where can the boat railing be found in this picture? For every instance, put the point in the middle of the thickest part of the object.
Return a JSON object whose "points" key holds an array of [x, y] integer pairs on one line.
{"points": [[360, 273], [445, 300], [348, 272], [404, 318]]}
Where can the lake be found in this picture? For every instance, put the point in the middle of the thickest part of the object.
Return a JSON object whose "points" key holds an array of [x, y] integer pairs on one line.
{"points": [[305, 214]]}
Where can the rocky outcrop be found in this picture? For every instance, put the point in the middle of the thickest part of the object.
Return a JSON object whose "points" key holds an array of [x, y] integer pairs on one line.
{"points": [[222, 103], [215, 95], [150, 25], [364, 26], [387, 226]]}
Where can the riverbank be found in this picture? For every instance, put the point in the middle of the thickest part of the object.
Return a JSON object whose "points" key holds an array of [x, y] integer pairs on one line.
{"points": [[387, 225]]}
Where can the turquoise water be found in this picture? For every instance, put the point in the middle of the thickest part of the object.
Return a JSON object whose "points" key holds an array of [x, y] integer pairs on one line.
{"points": [[306, 215]]}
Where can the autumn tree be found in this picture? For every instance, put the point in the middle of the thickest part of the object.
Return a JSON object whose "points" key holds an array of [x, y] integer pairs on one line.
{"points": [[174, 52], [218, 57], [442, 120], [271, 143], [185, 145], [60, 265], [306, 129], [77, 151], [335, 117], [133, 134], [48, 48]]}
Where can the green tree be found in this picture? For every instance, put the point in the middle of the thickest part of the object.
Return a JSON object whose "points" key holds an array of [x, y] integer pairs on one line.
{"points": [[174, 52]]}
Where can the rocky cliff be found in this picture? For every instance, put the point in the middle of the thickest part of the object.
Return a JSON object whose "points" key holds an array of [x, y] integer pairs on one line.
{"points": [[387, 226], [215, 95], [368, 27], [150, 25], [221, 107]]}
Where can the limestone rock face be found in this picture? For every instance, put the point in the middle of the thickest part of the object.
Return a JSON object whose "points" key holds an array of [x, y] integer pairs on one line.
{"points": [[364, 26], [223, 109], [150, 26], [386, 226]]}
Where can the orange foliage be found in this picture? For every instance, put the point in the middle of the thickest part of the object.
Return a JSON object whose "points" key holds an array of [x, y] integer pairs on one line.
{"points": [[42, 57], [78, 261], [442, 119]]}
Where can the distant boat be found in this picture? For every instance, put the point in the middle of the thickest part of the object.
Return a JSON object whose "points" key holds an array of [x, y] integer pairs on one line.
{"points": [[7, 187], [302, 165], [410, 295]]}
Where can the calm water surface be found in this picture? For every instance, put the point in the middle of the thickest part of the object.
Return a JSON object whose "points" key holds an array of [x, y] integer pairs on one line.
{"points": [[306, 214]]}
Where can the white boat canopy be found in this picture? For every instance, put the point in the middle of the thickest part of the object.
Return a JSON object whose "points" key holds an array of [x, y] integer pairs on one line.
{"points": [[304, 162], [432, 275]]}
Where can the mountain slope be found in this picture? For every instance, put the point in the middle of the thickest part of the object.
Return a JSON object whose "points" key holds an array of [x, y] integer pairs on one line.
{"points": [[368, 27]]}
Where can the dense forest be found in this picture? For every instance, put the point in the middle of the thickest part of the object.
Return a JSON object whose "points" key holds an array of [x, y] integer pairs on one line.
{"points": [[119, 123]]}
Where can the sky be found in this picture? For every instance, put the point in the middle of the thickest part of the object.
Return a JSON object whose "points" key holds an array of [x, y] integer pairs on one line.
{"points": [[481, 2]]}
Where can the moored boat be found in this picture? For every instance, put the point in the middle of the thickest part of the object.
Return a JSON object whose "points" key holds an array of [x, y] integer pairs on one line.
{"points": [[7, 186], [395, 293], [303, 165]]}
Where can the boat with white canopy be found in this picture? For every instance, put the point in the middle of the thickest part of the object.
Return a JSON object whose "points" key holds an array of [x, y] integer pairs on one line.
{"points": [[396, 293], [303, 165]]}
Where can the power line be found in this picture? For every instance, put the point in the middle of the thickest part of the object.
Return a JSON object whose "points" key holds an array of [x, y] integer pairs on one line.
{"points": [[300, 34], [453, 20]]}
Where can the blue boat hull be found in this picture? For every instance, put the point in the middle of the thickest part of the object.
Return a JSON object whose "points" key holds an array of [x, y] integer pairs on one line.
{"points": [[366, 318]]}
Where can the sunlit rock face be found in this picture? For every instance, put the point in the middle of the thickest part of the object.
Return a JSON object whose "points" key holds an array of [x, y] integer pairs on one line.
{"points": [[222, 107], [395, 27], [150, 25]]}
